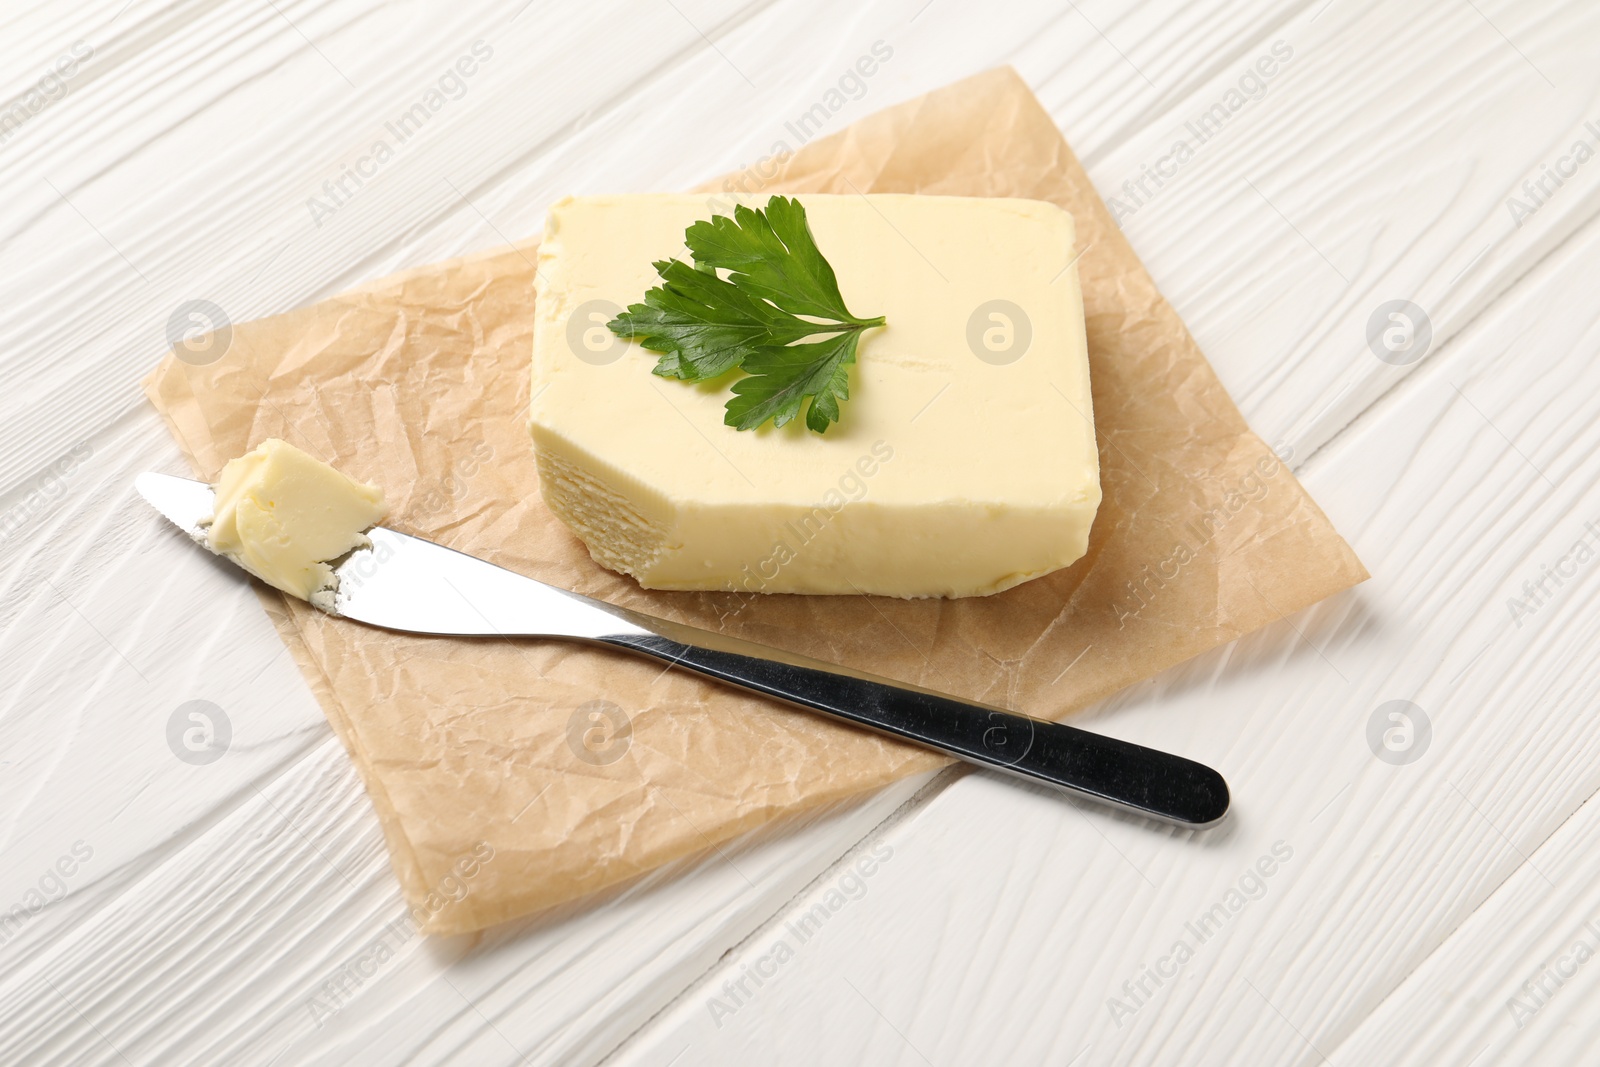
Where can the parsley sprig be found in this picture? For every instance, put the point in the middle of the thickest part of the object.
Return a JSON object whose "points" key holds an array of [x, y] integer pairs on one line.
{"points": [[703, 322]]}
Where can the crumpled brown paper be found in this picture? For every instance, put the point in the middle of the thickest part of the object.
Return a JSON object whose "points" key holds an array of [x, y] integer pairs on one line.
{"points": [[513, 775]]}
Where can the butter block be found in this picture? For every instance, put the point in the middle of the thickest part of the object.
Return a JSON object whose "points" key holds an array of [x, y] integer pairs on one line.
{"points": [[964, 462], [282, 515]]}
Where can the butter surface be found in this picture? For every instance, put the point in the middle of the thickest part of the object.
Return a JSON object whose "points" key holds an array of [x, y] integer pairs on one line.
{"points": [[964, 462], [282, 515]]}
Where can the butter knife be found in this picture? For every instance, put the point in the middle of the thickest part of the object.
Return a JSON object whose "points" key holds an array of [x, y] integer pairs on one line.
{"points": [[411, 585]]}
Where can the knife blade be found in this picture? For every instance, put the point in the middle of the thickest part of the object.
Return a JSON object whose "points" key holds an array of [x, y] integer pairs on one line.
{"points": [[409, 584]]}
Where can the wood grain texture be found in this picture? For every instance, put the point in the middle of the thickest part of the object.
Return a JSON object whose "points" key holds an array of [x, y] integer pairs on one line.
{"points": [[1382, 156], [178, 163]]}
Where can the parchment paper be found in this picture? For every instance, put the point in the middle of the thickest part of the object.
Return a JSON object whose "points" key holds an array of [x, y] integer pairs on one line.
{"points": [[514, 775]]}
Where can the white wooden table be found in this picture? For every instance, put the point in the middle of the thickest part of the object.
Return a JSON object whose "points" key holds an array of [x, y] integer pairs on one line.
{"points": [[1438, 906]]}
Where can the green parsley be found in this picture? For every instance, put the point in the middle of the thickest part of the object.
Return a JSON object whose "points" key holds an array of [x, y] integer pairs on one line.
{"points": [[703, 323]]}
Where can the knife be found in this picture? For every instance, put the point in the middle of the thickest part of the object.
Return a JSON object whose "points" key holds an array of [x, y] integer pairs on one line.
{"points": [[414, 586]]}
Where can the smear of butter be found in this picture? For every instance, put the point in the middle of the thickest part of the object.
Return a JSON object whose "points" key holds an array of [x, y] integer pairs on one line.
{"points": [[283, 515]]}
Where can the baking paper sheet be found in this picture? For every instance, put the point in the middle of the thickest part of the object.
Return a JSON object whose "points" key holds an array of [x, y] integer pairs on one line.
{"points": [[514, 775]]}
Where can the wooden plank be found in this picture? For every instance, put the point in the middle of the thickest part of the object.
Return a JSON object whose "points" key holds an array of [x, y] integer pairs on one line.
{"points": [[1514, 984], [1376, 164]]}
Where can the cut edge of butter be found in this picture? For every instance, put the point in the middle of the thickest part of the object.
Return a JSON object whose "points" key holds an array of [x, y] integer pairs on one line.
{"points": [[625, 524], [284, 516]]}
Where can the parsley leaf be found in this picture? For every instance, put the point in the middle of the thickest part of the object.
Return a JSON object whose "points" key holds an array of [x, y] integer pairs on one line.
{"points": [[703, 324], [782, 376]]}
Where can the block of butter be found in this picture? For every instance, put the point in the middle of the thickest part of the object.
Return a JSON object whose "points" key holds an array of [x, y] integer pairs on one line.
{"points": [[282, 515], [964, 462]]}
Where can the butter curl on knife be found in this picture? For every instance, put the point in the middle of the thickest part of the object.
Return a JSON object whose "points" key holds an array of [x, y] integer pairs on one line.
{"points": [[284, 515]]}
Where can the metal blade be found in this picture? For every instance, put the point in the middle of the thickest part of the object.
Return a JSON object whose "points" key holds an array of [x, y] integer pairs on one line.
{"points": [[186, 503], [406, 583]]}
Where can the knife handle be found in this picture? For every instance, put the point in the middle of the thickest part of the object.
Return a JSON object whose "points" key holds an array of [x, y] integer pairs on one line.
{"points": [[1103, 769]]}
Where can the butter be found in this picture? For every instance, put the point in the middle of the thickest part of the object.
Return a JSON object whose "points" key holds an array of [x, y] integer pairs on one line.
{"points": [[283, 515], [965, 459]]}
